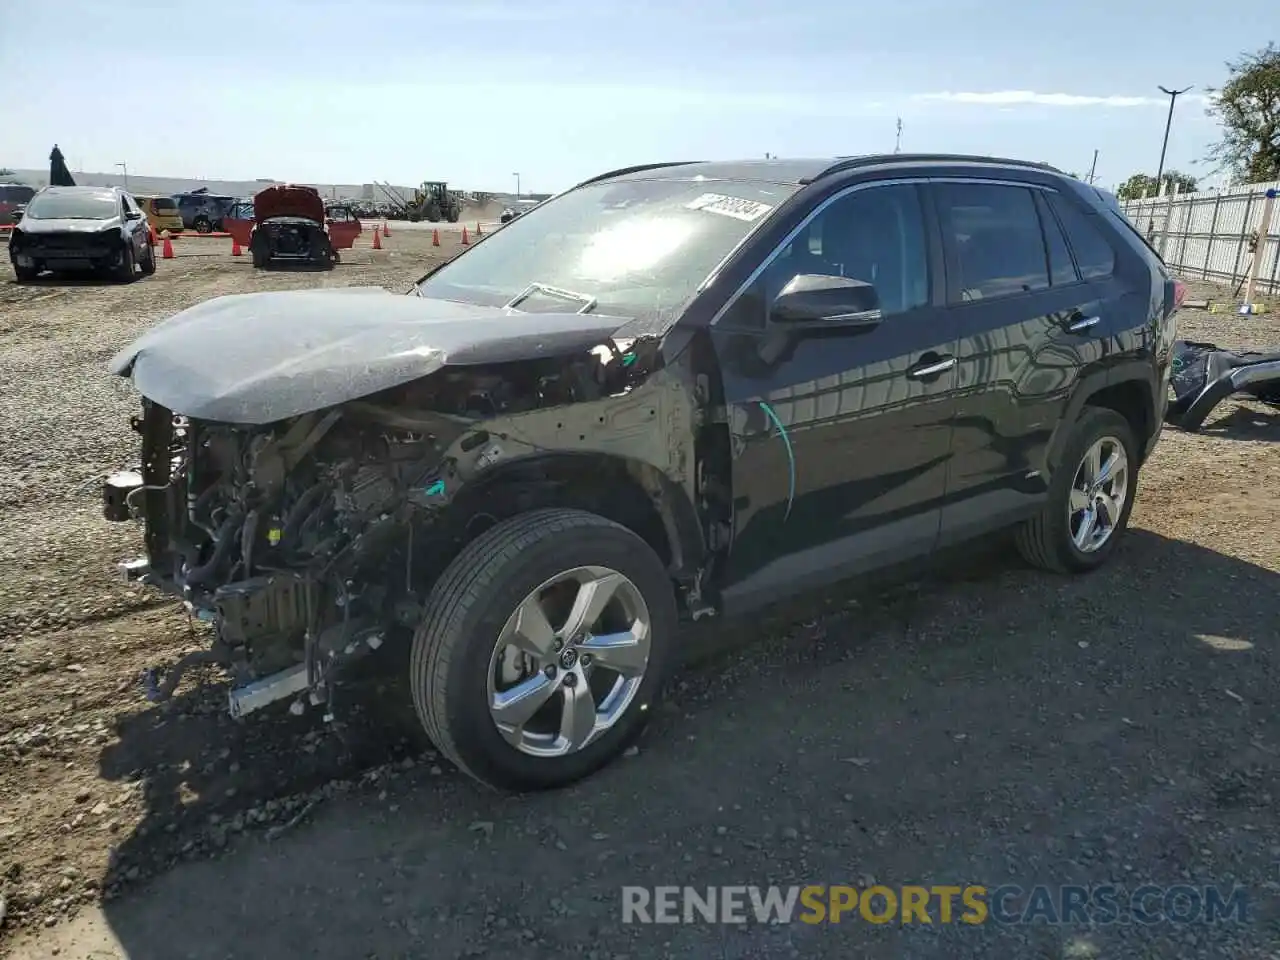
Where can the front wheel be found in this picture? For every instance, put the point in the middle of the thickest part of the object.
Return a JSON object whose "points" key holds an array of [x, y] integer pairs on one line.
{"points": [[542, 649], [125, 271], [1090, 497], [203, 225], [149, 260], [259, 250], [26, 274]]}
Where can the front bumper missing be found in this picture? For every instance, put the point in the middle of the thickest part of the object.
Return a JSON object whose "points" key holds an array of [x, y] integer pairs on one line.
{"points": [[118, 496]]}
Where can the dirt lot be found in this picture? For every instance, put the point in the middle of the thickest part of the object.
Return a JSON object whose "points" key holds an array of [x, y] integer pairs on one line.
{"points": [[978, 723]]}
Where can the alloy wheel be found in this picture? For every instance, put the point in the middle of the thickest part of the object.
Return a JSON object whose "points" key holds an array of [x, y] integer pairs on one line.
{"points": [[1098, 493], [569, 661]]}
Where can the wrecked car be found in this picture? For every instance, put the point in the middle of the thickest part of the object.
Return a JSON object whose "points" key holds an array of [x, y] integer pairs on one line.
{"points": [[671, 392], [80, 229], [286, 222]]}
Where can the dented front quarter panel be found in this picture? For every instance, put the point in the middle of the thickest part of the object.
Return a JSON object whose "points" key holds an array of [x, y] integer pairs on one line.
{"points": [[652, 424], [651, 427]]}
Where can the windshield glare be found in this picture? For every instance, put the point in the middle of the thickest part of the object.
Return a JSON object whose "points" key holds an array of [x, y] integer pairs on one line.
{"points": [[98, 205], [631, 248]]}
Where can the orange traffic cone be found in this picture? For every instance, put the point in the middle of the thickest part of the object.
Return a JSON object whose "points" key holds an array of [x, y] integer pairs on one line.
{"points": [[465, 238], [479, 232], [435, 238], [151, 228], [377, 238], [167, 252], [235, 247], [386, 229]]}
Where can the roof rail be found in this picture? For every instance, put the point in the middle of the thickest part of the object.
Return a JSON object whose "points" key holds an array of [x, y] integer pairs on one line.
{"points": [[639, 168], [851, 163]]}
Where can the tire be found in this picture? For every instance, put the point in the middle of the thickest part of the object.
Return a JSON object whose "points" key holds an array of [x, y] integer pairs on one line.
{"points": [[26, 274], [127, 269], [1046, 540], [149, 261], [202, 225], [258, 250], [451, 663]]}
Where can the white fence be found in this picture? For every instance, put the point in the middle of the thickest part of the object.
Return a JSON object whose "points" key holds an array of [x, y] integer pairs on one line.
{"points": [[1207, 235]]}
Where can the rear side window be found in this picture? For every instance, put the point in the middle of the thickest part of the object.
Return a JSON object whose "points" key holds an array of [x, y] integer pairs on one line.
{"points": [[164, 205], [994, 235], [1094, 255], [1061, 270]]}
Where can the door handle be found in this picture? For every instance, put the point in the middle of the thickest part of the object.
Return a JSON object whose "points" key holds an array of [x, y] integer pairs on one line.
{"points": [[931, 368], [1080, 323]]}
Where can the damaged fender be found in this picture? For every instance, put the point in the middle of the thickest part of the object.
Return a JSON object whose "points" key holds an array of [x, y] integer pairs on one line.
{"points": [[650, 428]]}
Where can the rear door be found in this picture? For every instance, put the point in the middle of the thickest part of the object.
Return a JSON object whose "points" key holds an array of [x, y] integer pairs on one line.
{"points": [[1029, 325]]}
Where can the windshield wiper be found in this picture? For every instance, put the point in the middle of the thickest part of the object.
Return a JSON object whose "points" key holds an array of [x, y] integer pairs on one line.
{"points": [[588, 301]]}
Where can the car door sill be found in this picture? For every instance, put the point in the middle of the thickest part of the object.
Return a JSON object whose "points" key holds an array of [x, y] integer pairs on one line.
{"points": [[832, 562]]}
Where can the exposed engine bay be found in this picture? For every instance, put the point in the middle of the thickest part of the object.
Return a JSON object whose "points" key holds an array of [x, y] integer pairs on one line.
{"points": [[292, 238], [305, 542]]}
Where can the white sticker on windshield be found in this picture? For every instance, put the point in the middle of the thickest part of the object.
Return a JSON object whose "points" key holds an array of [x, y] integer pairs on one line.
{"points": [[734, 207]]}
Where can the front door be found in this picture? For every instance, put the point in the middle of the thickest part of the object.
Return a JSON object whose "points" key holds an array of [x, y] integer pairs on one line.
{"points": [[840, 437], [239, 222]]}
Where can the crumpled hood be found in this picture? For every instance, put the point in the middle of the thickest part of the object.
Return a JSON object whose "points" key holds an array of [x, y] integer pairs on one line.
{"points": [[30, 225], [256, 358]]}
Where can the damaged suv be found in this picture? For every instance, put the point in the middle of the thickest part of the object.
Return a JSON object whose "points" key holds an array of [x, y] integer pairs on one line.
{"points": [[673, 391]]}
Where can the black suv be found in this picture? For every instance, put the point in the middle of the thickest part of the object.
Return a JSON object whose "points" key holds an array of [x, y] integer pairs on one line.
{"points": [[674, 391]]}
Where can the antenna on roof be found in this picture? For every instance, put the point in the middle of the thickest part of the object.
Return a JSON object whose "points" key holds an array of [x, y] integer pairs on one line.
{"points": [[897, 144]]}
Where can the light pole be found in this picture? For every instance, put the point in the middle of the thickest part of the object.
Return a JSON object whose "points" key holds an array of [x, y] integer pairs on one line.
{"points": [[125, 168], [1173, 98], [517, 176]]}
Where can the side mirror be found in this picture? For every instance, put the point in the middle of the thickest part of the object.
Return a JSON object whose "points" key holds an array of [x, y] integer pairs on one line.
{"points": [[821, 301], [132, 215]]}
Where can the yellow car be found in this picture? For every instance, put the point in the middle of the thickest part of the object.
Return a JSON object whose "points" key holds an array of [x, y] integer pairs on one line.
{"points": [[162, 212]]}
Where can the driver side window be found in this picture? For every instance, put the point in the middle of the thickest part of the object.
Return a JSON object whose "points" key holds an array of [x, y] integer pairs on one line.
{"points": [[876, 234]]}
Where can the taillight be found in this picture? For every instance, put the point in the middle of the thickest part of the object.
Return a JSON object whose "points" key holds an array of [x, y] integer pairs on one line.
{"points": [[1179, 293]]}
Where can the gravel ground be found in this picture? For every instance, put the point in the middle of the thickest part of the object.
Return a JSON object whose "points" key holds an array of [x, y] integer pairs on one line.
{"points": [[972, 723]]}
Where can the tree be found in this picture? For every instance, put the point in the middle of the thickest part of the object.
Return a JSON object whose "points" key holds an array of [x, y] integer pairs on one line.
{"points": [[1144, 185], [1248, 107]]}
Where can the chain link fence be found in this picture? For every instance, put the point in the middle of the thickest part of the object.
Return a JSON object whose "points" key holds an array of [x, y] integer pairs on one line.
{"points": [[1209, 235]]}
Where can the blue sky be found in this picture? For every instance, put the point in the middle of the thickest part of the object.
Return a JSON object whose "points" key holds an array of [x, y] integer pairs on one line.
{"points": [[471, 91]]}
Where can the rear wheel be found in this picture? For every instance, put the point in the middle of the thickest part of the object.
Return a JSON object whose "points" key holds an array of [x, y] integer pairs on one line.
{"points": [[203, 225], [25, 274], [542, 649], [1090, 497], [149, 260]]}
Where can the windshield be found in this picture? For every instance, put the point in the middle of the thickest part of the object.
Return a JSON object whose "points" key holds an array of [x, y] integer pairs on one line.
{"points": [[80, 205], [630, 248]]}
